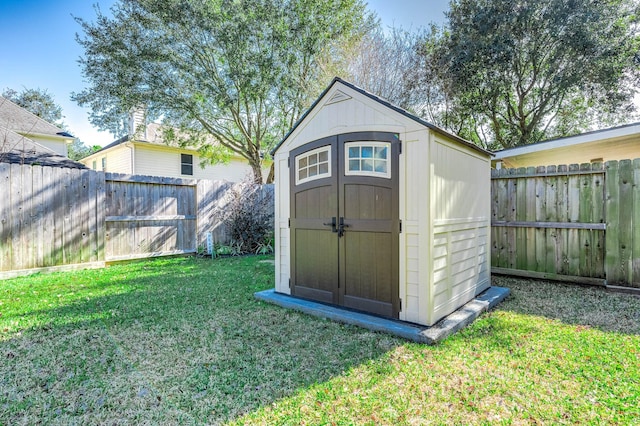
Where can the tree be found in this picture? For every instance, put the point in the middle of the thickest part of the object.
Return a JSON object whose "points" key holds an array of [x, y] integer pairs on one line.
{"points": [[230, 75], [38, 101], [383, 63], [77, 150], [517, 71]]}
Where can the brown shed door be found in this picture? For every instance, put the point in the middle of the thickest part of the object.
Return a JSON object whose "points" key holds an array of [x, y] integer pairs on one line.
{"points": [[344, 221]]}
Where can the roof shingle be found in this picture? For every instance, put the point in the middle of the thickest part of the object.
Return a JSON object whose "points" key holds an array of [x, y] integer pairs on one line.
{"points": [[20, 120], [18, 149]]}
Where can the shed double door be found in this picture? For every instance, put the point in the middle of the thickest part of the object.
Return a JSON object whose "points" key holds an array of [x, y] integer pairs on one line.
{"points": [[344, 221]]}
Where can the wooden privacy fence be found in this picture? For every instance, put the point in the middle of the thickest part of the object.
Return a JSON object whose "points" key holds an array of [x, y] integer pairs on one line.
{"points": [[50, 217], [58, 218], [578, 223]]}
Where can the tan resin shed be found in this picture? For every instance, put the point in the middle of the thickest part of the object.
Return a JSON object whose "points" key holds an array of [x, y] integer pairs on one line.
{"points": [[379, 211]]}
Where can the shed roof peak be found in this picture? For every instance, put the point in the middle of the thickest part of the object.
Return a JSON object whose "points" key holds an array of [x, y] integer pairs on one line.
{"points": [[339, 95]]}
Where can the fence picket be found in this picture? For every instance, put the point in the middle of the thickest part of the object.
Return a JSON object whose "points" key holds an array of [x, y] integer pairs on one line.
{"points": [[612, 260], [573, 215], [101, 211], [5, 219], [598, 216], [502, 249], [28, 235], [38, 210], [562, 210], [495, 208], [585, 215], [91, 217], [48, 231], [540, 233], [17, 213], [530, 215], [550, 215], [520, 212], [635, 267], [625, 232]]}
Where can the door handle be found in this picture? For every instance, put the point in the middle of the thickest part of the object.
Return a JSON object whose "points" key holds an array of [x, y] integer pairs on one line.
{"points": [[341, 227], [332, 224]]}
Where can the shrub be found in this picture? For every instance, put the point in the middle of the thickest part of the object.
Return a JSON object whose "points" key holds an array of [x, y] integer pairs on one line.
{"points": [[247, 216]]}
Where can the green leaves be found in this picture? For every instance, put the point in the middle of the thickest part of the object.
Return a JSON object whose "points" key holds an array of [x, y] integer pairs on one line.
{"points": [[39, 102], [536, 69], [238, 71]]}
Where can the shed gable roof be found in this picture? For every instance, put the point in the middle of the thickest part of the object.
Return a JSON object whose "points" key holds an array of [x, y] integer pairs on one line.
{"points": [[339, 96]]}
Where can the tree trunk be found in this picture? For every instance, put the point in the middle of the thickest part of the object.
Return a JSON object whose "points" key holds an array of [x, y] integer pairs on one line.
{"points": [[256, 167], [272, 176]]}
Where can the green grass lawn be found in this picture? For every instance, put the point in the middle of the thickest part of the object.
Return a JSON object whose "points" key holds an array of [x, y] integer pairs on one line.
{"points": [[182, 341]]}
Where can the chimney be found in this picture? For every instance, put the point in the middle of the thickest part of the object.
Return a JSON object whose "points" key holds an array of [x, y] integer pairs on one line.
{"points": [[138, 124]]}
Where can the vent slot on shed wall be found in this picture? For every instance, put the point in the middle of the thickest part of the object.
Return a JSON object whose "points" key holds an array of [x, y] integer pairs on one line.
{"points": [[338, 97]]}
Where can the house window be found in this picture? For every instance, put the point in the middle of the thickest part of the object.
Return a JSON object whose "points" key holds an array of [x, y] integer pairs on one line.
{"points": [[104, 164], [314, 164], [186, 164], [95, 165], [368, 159]]}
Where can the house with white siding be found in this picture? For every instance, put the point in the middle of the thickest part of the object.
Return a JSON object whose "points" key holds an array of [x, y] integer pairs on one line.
{"points": [[147, 153], [26, 138], [15, 120]]}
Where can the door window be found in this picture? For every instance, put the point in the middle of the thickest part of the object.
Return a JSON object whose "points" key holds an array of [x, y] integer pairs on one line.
{"points": [[314, 164], [367, 159]]}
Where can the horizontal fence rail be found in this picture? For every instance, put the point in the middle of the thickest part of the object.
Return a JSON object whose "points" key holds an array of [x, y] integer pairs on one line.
{"points": [[557, 225]]}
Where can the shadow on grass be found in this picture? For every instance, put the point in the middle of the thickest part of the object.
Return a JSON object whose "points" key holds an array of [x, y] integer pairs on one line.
{"points": [[181, 341], [572, 304]]}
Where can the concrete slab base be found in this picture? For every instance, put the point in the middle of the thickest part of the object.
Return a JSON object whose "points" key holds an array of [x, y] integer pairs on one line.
{"points": [[457, 320]]}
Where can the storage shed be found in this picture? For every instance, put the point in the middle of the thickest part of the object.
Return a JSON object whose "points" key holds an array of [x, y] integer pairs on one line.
{"points": [[380, 211]]}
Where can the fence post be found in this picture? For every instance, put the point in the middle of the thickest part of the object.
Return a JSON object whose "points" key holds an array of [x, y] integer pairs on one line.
{"points": [[635, 261], [5, 218], [551, 215], [626, 214], [101, 212], [612, 268]]}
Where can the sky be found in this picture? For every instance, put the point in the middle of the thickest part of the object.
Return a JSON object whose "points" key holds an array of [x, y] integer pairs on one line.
{"points": [[38, 48]]}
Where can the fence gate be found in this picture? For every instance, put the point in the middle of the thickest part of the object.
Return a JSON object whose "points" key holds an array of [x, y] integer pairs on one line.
{"points": [[149, 216]]}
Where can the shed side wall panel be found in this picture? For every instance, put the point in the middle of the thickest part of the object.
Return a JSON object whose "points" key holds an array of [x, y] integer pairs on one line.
{"points": [[414, 212], [461, 216], [281, 237]]}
